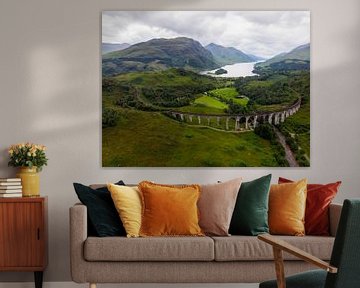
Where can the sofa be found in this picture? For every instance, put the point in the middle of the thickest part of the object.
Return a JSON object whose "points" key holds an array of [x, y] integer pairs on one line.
{"points": [[233, 259]]}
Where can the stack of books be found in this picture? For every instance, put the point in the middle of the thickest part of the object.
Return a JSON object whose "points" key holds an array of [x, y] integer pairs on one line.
{"points": [[10, 187]]}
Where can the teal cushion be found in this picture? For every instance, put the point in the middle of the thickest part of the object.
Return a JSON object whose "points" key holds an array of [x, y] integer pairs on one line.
{"points": [[103, 218], [250, 216], [309, 279]]}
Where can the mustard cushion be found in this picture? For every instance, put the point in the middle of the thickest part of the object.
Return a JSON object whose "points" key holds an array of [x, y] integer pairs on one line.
{"points": [[287, 204], [169, 210], [127, 201]]}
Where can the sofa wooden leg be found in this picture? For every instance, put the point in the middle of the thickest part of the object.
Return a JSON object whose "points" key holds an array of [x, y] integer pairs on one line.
{"points": [[92, 285]]}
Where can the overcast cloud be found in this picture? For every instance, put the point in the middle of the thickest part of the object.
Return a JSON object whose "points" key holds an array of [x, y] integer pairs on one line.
{"points": [[263, 33]]}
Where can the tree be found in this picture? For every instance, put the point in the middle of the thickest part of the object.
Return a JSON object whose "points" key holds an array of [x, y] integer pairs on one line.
{"points": [[265, 131], [109, 117]]}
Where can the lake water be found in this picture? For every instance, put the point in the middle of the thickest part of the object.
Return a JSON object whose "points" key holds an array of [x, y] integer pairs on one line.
{"points": [[234, 70]]}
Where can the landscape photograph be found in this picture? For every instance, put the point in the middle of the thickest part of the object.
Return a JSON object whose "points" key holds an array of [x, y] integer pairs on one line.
{"points": [[205, 88]]}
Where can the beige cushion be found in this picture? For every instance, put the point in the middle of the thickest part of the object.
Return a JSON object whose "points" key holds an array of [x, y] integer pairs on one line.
{"points": [[216, 206], [97, 186], [242, 248], [149, 249]]}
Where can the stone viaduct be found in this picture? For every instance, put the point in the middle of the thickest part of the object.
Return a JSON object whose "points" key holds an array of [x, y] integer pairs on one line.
{"points": [[240, 122]]}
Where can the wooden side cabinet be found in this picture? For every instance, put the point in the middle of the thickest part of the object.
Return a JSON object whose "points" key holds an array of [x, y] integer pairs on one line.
{"points": [[23, 235]]}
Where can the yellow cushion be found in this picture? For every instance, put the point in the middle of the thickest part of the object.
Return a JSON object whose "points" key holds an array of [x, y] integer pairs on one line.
{"points": [[127, 201], [169, 210], [287, 204]]}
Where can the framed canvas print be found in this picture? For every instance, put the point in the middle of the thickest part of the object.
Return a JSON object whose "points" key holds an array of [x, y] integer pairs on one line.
{"points": [[205, 88]]}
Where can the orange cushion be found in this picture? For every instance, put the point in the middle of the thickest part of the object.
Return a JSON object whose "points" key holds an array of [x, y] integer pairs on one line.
{"points": [[318, 200], [287, 204], [169, 210]]}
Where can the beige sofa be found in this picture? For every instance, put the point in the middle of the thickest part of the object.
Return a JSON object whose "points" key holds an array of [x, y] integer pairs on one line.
{"points": [[234, 259]]}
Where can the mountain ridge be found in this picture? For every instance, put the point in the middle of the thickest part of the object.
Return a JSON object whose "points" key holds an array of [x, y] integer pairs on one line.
{"points": [[296, 59], [228, 55], [111, 47], [301, 52], [159, 54]]}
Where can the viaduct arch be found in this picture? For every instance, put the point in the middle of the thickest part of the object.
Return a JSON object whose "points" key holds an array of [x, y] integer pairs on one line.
{"points": [[237, 122]]}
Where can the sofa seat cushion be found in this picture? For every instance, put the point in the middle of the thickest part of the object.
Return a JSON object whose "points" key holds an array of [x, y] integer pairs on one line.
{"points": [[149, 249], [245, 248]]}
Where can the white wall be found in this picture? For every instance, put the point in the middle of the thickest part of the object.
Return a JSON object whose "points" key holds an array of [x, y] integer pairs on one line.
{"points": [[50, 94]]}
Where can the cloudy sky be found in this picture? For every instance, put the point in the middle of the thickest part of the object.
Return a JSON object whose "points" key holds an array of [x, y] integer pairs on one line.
{"points": [[263, 33]]}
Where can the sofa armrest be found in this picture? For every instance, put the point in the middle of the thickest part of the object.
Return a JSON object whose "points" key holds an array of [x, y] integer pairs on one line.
{"points": [[334, 216], [78, 235]]}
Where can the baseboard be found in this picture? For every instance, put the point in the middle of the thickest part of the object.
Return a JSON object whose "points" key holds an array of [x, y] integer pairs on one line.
{"points": [[74, 285]]}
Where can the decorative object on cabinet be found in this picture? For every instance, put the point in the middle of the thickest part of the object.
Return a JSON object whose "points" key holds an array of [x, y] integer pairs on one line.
{"points": [[10, 187], [30, 158]]}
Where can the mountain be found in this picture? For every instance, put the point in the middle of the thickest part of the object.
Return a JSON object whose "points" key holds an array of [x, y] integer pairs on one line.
{"points": [[228, 55], [300, 53], [159, 54], [110, 47], [256, 58]]}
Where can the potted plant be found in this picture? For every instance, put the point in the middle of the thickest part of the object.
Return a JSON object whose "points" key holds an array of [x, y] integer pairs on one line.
{"points": [[30, 158]]}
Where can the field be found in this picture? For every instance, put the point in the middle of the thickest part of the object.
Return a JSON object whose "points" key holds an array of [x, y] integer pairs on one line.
{"points": [[227, 94], [152, 139], [210, 102], [205, 105]]}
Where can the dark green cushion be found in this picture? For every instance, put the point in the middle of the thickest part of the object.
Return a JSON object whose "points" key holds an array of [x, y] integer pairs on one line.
{"points": [[309, 279], [250, 216], [103, 218]]}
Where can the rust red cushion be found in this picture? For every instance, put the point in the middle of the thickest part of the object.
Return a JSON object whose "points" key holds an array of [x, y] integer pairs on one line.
{"points": [[319, 197]]}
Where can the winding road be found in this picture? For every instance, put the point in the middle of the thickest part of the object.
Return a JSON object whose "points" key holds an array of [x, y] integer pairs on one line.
{"points": [[289, 155]]}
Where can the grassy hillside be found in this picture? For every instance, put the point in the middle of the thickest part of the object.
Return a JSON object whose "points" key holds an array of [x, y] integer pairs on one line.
{"points": [[156, 90], [152, 139], [205, 104], [200, 109], [298, 125], [210, 102], [168, 78], [270, 89], [227, 94]]}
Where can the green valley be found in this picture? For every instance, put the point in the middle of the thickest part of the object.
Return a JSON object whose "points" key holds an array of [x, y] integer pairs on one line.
{"points": [[159, 110], [141, 134]]}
